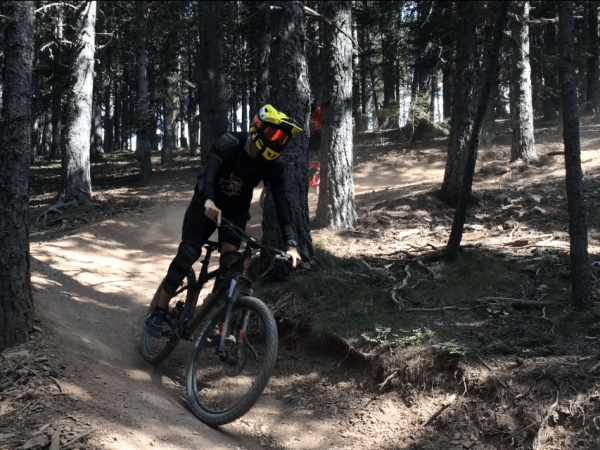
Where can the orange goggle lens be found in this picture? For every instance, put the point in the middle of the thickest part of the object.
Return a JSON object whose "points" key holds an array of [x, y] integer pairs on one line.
{"points": [[275, 135]]}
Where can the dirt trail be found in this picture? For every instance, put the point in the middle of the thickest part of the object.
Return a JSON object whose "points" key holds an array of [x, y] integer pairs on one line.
{"points": [[91, 293], [92, 288]]}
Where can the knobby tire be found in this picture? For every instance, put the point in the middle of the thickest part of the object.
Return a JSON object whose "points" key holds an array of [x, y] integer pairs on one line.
{"points": [[216, 390]]}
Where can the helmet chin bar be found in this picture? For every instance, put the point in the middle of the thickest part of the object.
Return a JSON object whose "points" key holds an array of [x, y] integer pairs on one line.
{"points": [[261, 144], [270, 154]]}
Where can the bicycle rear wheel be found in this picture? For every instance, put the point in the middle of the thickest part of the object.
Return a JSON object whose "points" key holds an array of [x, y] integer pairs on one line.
{"points": [[219, 391], [156, 349]]}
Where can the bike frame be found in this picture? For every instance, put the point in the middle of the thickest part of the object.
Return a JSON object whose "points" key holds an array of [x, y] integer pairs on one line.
{"points": [[241, 284]]}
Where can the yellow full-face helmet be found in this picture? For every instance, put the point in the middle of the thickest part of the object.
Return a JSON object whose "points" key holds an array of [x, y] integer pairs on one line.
{"points": [[270, 131]]}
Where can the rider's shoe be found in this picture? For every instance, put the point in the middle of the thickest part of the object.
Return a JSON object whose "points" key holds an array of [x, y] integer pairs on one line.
{"points": [[154, 322]]}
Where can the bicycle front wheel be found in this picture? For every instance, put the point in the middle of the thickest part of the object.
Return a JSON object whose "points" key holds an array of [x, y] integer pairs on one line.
{"points": [[220, 390]]}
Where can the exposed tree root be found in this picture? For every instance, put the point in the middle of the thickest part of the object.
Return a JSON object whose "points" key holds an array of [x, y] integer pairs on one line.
{"points": [[55, 209]]}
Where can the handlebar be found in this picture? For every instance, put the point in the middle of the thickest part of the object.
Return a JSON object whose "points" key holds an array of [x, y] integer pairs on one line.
{"points": [[253, 243]]}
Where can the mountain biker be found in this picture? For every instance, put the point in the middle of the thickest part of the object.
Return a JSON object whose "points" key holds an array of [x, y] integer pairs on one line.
{"points": [[236, 164]]}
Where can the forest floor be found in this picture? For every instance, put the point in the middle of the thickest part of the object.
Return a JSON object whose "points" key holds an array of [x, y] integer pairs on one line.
{"points": [[386, 347]]}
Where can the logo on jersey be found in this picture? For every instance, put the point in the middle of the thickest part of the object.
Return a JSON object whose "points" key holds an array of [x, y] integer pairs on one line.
{"points": [[230, 187]]}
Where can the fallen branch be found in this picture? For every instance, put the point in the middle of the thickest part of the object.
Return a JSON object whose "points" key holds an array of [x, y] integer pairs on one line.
{"points": [[392, 375], [443, 308], [57, 383], [445, 406], [515, 301], [71, 443]]}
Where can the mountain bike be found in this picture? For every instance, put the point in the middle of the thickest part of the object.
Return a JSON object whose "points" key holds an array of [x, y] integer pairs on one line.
{"points": [[235, 349]]}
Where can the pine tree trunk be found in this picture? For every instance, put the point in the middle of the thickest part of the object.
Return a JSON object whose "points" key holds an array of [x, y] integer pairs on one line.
{"points": [[97, 138], [262, 61], [245, 127], [448, 82], [359, 125], [143, 150], [109, 106], [36, 130], [47, 134], [172, 100], [551, 88], [463, 104], [593, 71], [117, 116], [363, 79], [488, 132], [464, 199], [195, 130], [388, 69], [16, 301], [213, 101], [76, 184], [581, 296], [521, 105], [315, 34], [291, 94], [336, 207]]}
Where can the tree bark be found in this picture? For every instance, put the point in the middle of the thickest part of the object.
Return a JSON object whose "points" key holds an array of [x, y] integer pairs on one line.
{"points": [[336, 206], [262, 61], [143, 150], [172, 98], [16, 301], [363, 79], [593, 70], [389, 50], [97, 138], [76, 184], [463, 104], [315, 34], [451, 251], [551, 87], [47, 134], [109, 106], [521, 104], [117, 116], [581, 296], [291, 94], [359, 125], [213, 102]]}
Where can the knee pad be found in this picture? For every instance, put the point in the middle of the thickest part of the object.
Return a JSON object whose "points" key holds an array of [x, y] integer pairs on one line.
{"points": [[230, 260], [186, 256], [228, 263]]}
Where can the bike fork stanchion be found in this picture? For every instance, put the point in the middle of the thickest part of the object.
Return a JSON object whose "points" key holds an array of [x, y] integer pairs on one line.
{"points": [[224, 332], [243, 327]]}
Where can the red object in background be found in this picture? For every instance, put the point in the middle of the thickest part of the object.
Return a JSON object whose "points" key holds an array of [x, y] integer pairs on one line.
{"points": [[314, 181], [316, 119]]}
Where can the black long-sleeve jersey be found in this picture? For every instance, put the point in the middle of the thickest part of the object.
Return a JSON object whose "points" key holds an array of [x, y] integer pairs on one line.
{"points": [[230, 176]]}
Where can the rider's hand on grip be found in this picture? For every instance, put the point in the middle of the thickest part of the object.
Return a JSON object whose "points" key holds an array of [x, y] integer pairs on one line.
{"points": [[294, 256], [212, 212]]}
